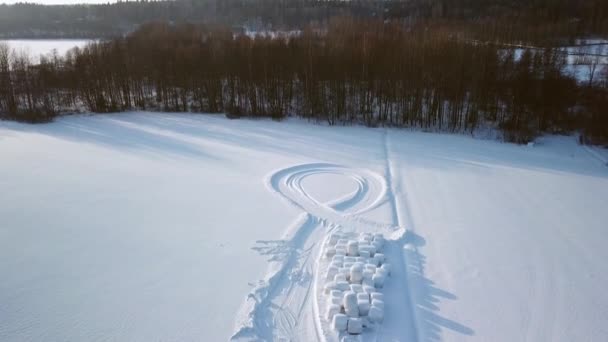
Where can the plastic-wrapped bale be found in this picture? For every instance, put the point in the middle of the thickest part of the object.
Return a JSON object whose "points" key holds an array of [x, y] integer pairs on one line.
{"points": [[348, 264], [377, 296], [333, 238], [355, 326], [329, 286], [338, 259], [332, 310], [331, 273], [371, 267], [367, 274], [342, 242], [382, 272], [377, 246], [336, 293], [352, 249], [387, 267], [378, 259], [342, 285], [368, 248], [336, 263], [351, 308], [351, 259], [365, 321], [356, 274], [368, 282], [369, 288], [366, 237], [341, 250], [378, 280], [363, 307], [339, 322], [344, 271], [378, 237], [339, 277], [364, 254], [363, 296], [356, 288], [375, 314], [335, 297], [378, 303]]}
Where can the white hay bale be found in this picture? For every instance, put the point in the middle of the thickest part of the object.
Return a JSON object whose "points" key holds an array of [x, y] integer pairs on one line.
{"points": [[365, 321], [348, 264], [356, 288], [336, 293], [339, 322], [350, 304], [368, 288], [350, 259], [342, 286], [371, 268], [338, 258], [342, 242], [355, 326], [333, 238], [382, 272], [331, 272], [378, 280], [363, 296], [378, 259], [368, 282], [363, 307], [339, 277], [375, 314], [378, 303], [377, 246], [367, 274], [356, 277], [365, 254], [387, 267], [329, 286], [352, 249], [336, 300], [377, 296], [330, 252], [332, 310]]}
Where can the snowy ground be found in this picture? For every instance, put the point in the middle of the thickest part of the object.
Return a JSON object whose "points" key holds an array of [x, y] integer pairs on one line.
{"points": [[170, 227]]}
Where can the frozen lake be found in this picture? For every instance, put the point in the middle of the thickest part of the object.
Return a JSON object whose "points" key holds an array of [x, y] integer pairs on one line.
{"points": [[37, 47]]}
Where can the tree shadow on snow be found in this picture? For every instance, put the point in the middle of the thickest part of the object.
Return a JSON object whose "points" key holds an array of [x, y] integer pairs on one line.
{"points": [[426, 296], [276, 250]]}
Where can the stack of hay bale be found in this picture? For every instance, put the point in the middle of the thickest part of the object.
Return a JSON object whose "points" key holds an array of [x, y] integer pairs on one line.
{"points": [[356, 273]]}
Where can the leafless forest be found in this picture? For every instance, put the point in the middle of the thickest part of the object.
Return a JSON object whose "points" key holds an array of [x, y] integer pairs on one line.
{"points": [[433, 74]]}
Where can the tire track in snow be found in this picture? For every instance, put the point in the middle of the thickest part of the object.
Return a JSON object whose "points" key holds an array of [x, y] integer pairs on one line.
{"points": [[276, 309], [404, 251]]}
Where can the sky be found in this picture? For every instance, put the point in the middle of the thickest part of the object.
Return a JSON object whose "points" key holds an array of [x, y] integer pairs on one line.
{"points": [[57, 2]]}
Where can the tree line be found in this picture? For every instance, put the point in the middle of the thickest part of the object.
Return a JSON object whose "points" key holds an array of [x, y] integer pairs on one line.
{"points": [[29, 20], [355, 71]]}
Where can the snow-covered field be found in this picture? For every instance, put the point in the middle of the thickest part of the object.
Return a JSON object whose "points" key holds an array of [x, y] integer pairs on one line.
{"points": [[171, 227], [36, 47]]}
